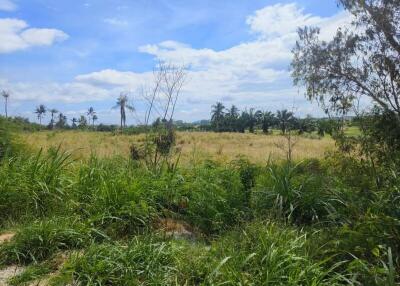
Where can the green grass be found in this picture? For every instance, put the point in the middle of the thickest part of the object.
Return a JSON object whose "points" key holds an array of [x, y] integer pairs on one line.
{"points": [[314, 222]]}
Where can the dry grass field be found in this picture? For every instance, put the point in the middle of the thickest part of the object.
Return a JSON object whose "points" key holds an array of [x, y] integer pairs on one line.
{"points": [[195, 146]]}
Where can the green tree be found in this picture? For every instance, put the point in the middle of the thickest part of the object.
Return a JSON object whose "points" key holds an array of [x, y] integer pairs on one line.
{"points": [[6, 96], [53, 112], [82, 122], [74, 122], [217, 115], [284, 119], [268, 120], [94, 118], [90, 113], [360, 62], [232, 118], [40, 112], [123, 105]]}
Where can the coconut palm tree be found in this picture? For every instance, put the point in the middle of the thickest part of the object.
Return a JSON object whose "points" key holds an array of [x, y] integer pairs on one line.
{"points": [[82, 122], [217, 115], [62, 121], [90, 113], [94, 118], [6, 95], [123, 105], [40, 111], [53, 112], [74, 121]]}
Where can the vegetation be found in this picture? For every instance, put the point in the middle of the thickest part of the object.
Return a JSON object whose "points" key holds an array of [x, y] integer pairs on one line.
{"points": [[144, 217]]}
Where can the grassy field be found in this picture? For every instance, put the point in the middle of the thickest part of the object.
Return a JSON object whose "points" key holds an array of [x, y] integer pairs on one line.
{"points": [[195, 146], [108, 220]]}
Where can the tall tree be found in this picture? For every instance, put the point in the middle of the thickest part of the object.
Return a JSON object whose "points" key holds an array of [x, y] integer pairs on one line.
{"points": [[53, 112], [217, 115], [284, 119], [90, 113], [74, 122], [82, 122], [362, 61], [233, 112], [123, 105], [62, 121], [252, 120], [268, 120], [40, 112], [6, 96], [232, 118], [94, 118]]}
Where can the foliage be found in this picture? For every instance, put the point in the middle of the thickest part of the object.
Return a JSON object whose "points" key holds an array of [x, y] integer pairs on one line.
{"points": [[144, 261], [360, 61], [40, 240]]}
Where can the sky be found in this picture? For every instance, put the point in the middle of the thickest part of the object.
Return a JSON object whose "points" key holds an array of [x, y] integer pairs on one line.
{"points": [[74, 54]]}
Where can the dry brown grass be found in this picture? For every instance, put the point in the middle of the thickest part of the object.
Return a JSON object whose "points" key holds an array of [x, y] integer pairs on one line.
{"points": [[195, 146]]}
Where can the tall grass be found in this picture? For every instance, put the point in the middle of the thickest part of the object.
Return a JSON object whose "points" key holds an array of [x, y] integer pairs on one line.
{"points": [[324, 222]]}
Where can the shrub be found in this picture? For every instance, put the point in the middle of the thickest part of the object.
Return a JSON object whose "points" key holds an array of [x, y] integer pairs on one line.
{"points": [[284, 192]]}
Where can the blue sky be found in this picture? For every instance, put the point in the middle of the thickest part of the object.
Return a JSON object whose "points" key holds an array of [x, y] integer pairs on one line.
{"points": [[74, 54]]}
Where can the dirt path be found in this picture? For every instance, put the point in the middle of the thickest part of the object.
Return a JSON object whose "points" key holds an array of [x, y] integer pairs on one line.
{"points": [[8, 273]]}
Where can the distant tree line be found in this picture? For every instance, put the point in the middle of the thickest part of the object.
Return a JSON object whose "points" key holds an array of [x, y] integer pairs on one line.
{"points": [[232, 120]]}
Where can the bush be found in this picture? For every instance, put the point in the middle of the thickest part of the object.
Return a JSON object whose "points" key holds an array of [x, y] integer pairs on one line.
{"points": [[285, 192]]}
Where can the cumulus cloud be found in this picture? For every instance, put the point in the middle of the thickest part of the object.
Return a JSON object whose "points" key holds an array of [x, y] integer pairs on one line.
{"points": [[253, 73], [16, 35], [51, 92], [7, 5]]}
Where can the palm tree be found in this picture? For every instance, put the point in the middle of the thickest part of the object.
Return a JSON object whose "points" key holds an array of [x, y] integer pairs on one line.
{"points": [[90, 113], [217, 114], [252, 120], [268, 121], [40, 111], [53, 112], [232, 117], [62, 120], [233, 112], [82, 122], [6, 95], [74, 121], [94, 118], [284, 118], [123, 104]]}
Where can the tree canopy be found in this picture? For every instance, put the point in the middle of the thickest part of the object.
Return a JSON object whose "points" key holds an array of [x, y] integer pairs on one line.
{"points": [[361, 61]]}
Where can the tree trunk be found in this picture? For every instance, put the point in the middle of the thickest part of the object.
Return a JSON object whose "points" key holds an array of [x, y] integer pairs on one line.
{"points": [[5, 107]]}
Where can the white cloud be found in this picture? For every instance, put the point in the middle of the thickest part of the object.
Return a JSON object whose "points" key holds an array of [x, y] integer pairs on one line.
{"points": [[252, 73], [114, 78], [7, 5], [51, 92], [15, 35], [280, 19]]}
